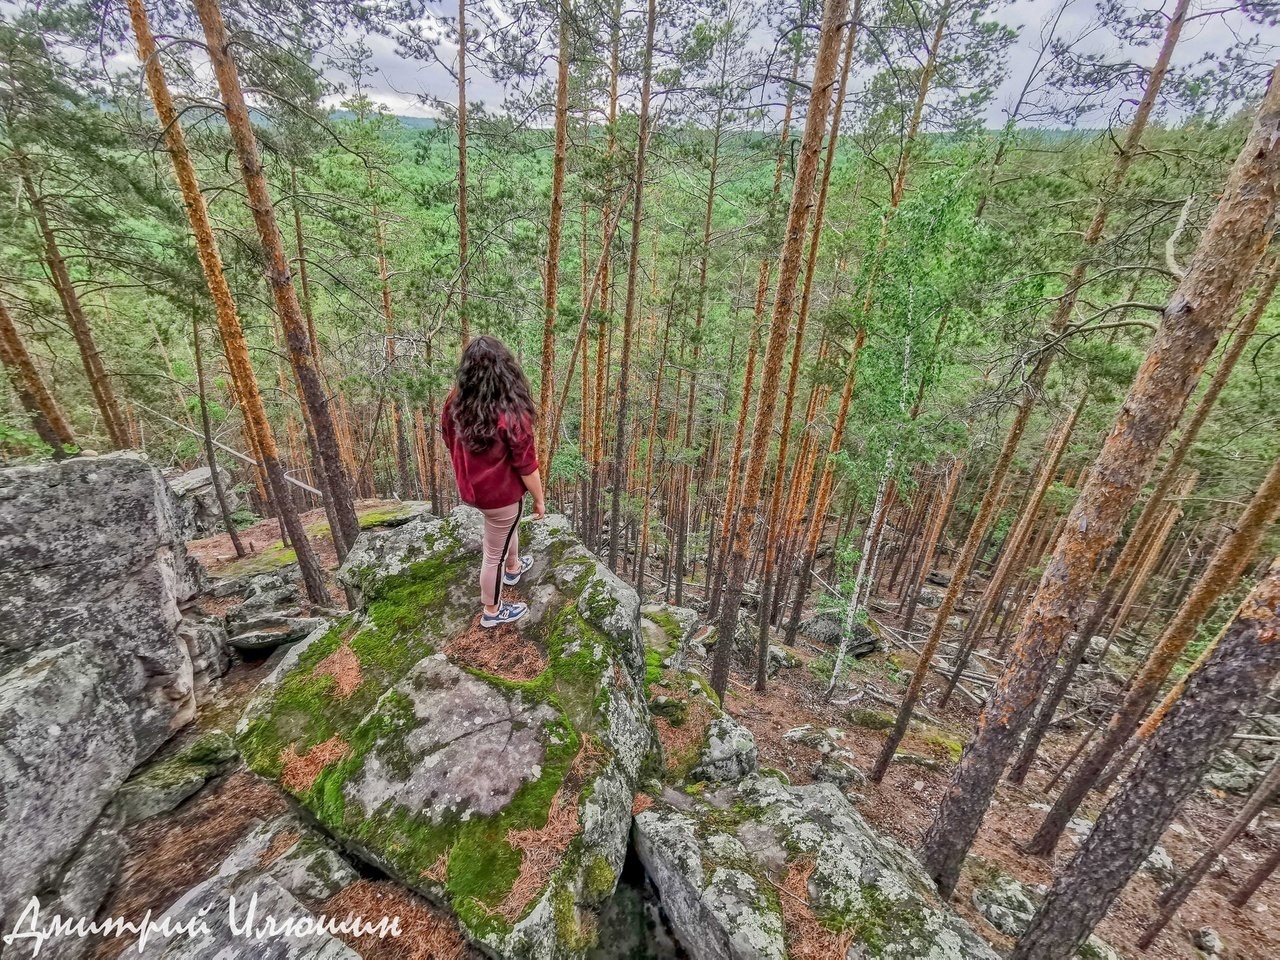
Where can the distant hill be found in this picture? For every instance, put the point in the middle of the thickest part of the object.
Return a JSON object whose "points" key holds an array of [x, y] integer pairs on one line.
{"points": [[409, 123]]}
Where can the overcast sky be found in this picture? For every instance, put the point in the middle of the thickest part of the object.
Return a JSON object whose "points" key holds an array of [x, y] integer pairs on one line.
{"points": [[399, 83]]}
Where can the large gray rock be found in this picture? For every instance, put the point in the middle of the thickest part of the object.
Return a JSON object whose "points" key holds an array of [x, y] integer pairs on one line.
{"points": [[493, 771], [930, 599], [270, 616], [202, 514], [827, 627], [91, 550], [729, 754], [278, 865], [163, 785], [80, 887], [1009, 905], [714, 860], [1230, 774], [94, 674], [717, 907]]}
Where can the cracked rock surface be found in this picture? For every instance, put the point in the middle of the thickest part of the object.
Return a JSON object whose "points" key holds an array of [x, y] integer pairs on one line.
{"points": [[492, 771]]}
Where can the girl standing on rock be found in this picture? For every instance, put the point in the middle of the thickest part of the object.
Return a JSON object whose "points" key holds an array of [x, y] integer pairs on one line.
{"points": [[487, 423]]}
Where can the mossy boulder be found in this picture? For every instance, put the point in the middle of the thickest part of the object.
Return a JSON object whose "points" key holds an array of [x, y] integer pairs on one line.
{"points": [[493, 771], [161, 786], [1008, 905], [718, 907], [718, 859]]}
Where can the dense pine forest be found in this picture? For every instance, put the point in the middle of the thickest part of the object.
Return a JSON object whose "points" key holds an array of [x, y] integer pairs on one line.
{"points": [[948, 321]]}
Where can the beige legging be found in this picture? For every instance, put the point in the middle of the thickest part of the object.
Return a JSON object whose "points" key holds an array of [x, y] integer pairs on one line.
{"points": [[501, 543]]}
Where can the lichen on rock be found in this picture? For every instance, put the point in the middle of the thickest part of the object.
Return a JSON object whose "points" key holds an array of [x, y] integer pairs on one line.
{"points": [[721, 856], [503, 791]]}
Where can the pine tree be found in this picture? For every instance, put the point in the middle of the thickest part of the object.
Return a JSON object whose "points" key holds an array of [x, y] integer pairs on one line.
{"points": [[618, 477], [1223, 572], [1206, 298], [233, 340], [33, 393], [279, 273], [826, 64], [1219, 695]]}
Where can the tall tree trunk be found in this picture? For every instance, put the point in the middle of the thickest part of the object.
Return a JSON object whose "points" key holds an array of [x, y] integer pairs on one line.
{"points": [[824, 77], [1061, 317], [278, 271], [589, 295], [620, 451], [1124, 564], [1206, 298], [728, 522], [1223, 572], [822, 498], [936, 533], [895, 200], [595, 519], [959, 576], [403, 479], [912, 525], [1176, 895], [210, 452], [686, 468], [551, 284], [1219, 696], [1150, 555], [33, 393], [1017, 538], [95, 370], [735, 455], [648, 470], [303, 282], [1048, 706], [774, 516], [234, 345], [464, 265], [1245, 891]]}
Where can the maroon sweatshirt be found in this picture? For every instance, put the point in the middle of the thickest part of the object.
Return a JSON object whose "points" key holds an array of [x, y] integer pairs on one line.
{"points": [[491, 478]]}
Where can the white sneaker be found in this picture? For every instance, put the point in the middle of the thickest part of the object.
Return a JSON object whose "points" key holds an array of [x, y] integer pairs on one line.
{"points": [[507, 613]]}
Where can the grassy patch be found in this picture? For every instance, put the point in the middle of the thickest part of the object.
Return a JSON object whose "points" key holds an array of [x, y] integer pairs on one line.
{"points": [[669, 624], [272, 558], [871, 719]]}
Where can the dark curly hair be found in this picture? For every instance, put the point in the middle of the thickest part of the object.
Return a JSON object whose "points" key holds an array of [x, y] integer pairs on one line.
{"points": [[489, 384]]}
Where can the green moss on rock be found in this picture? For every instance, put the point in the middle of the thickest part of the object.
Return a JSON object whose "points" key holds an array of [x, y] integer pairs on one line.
{"points": [[871, 719], [417, 590]]}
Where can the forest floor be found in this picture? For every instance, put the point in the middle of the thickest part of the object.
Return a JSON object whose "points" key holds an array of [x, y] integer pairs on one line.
{"points": [[170, 855], [903, 805]]}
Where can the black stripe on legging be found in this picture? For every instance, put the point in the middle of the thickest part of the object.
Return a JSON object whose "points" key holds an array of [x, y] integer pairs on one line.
{"points": [[502, 559]]}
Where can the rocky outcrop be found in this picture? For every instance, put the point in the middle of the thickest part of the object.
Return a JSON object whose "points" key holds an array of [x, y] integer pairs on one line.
{"points": [[827, 627], [270, 615], [729, 753], [1230, 774], [1009, 906], [717, 859], [253, 907], [720, 851], [201, 512], [492, 771], [96, 670], [718, 907]]}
